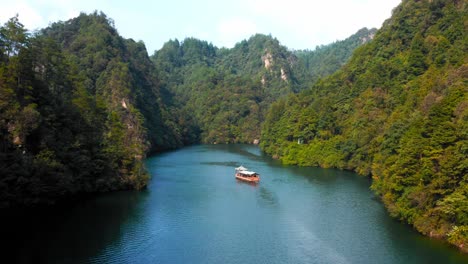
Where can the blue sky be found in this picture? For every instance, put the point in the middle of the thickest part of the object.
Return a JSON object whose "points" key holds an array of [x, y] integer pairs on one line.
{"points": [[297, 24]]}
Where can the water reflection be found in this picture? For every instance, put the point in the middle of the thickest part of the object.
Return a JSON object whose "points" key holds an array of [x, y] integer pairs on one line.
{"points": [[231, 164], [195, 211], [67, 234], [267, 197], [253, 184], [252, 153]]}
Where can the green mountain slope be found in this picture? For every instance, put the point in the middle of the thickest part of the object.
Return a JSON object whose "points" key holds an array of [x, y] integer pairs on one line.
{"points": [[79, 109], [118, 70], [222, 95], [224, 92], [81, 106], [327, 59], [396, 111]]}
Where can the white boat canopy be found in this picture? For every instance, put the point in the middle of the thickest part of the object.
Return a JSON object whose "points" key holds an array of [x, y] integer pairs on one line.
{"points": [[241, 168], [250, 173]]}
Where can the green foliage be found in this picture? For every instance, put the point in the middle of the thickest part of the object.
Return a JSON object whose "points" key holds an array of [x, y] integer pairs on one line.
{"points": [[226, 92], [13, 37], [79, 109], [458, 235], [396, 111], [327, 59]]}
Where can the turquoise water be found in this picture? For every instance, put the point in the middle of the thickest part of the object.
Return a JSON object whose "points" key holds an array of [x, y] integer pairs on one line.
{"points": [[194, 211]]}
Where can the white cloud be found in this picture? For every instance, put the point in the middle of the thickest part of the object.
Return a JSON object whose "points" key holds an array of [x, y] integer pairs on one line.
{"points": [[27, 14], [233, 30], [36, 14], [304, 24], [298, 24]]}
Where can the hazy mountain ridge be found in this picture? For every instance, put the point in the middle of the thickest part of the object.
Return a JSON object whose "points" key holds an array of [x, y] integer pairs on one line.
{"points": [[326, 59]]}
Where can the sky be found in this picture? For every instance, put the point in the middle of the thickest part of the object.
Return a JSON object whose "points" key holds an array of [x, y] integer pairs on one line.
{"points": [[297, 24]]}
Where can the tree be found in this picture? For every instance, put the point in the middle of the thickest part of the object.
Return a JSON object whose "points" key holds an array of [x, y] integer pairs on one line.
{"points": [[13, 37]]}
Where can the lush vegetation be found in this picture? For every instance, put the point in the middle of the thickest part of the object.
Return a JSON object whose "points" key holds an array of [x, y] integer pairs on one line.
{"points": [[80, 106], [222, 95], [220, 91], [397, 111], [327, 59], [79, 109]]}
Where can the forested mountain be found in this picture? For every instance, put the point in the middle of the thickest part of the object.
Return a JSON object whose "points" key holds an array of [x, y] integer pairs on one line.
{"points": [[79, 109], [327, 59], [222, 95], [80, 106], [398, 111], [118, 71]]}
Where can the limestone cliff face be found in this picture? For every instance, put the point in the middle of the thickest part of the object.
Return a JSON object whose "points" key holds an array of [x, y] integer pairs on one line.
{"points": [[267, 60]]}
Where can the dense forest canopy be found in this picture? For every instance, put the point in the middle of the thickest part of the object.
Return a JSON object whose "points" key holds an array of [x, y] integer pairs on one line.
{"points": [[222, 95], [79, 110], [80, 107], [398, 112], [327, 59]]}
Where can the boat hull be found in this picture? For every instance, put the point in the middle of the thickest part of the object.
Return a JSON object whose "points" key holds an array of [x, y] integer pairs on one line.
{"points": [[248, 179]]}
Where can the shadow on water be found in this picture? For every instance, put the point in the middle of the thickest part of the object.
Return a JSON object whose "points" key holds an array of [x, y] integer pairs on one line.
{"points": [[253, 184], [231, 164], [429, 250], [251, 152], [52, 235], [267, 197], [190, 214], [400, 233]]}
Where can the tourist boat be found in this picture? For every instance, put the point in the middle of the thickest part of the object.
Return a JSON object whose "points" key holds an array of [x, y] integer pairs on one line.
{"points": [[245, 175]]}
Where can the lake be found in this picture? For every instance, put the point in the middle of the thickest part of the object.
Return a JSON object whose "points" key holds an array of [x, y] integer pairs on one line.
{"points": [[194, 211]]}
